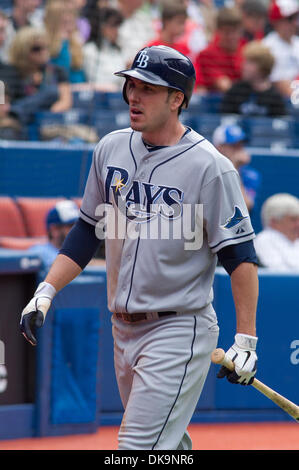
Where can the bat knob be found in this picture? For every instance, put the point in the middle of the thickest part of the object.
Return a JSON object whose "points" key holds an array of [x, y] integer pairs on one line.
{"points": [[218, 356]]}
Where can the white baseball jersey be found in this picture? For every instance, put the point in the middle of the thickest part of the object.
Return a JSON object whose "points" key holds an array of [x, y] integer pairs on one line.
{"points": [[171, 186]]}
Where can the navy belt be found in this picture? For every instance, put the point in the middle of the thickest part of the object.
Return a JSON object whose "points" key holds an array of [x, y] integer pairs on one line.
{"points": [[133, 317]]}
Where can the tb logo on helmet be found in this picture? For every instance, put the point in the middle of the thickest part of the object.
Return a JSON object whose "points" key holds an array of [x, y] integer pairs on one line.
{"points": [[142, 60]]}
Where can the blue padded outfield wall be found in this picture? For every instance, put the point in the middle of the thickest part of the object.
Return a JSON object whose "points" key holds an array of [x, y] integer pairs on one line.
{"points": [[75, 385], [75, 389], [44, 170]]}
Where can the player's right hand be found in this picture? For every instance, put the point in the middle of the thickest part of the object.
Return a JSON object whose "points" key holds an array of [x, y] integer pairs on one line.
{"points": [[34, 314]]}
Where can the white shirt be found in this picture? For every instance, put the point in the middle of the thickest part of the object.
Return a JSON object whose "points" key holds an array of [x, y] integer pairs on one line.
{"points": [[5, 47], [286, 56], [276, 251], [135, 32], [100, 64]]}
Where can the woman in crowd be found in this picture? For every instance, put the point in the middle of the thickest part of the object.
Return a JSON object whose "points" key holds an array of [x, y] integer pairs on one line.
{"points": [[102, 54], [64, 39], [43, 85]]}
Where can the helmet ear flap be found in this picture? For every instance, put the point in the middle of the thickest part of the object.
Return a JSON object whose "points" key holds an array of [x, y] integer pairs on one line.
{"points": [[125, 91]]}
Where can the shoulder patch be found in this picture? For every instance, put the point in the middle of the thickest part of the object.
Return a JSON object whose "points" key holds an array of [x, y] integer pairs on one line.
{"points": [[235, 219]]}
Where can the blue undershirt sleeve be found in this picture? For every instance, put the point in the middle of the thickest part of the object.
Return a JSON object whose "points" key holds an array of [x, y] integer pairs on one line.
{"points": [[81, 243], [232, 255]]}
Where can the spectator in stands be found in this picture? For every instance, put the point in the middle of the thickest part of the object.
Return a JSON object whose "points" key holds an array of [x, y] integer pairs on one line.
{"points": [[59, 222], [10, 127], [254, 19], [44, 85], [284, 43], [64, 39], [8, 74], [255, 94], [83, 24], [229, 140], [173, 17], [12, 81], [22, 12], [219, 65], [102, 54], [277, 245], [137, 28], [4, 43], [194, 37], [207, 13]]}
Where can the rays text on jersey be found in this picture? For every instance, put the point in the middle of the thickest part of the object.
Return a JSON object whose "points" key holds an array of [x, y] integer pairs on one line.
{"points": [[140, 200]]}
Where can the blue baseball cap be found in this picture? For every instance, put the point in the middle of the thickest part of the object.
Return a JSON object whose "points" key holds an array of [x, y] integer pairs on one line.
{"points": [[63, 213], [228, 134]]}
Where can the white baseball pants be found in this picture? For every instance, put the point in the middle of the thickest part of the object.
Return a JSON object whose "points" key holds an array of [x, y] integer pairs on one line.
{"points": [[161, 367]]}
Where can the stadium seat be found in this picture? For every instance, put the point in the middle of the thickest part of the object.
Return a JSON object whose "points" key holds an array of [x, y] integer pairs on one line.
{"points": [[90, 100], [115, 101], [6, 5], [84, 100], [209, 103], [188, 118], [270, 132], [34, 212], [205, 124], [106, 121], [11, 221], [23, 243], [74, 116]]}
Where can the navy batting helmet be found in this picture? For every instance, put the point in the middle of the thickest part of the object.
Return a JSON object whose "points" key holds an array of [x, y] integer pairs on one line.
{"points": [[162, 65]]}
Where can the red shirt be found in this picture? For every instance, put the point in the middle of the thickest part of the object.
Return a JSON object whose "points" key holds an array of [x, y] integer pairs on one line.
{"points": [[246, 38], [181, 47], [214, 62]]}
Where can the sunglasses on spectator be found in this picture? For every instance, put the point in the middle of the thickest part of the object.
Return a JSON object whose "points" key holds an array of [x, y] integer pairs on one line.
{"points": [[38, 48]]}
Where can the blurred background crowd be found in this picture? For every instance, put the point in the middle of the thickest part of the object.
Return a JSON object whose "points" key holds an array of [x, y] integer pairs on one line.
{"points": [[58, 58], [246, 51]]}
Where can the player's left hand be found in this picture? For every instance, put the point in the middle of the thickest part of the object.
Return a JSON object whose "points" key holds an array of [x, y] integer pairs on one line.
{"points": [[243, 355]]}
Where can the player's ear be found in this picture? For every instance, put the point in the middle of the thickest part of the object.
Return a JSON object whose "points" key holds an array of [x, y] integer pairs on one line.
{"points": [[176, 100]]}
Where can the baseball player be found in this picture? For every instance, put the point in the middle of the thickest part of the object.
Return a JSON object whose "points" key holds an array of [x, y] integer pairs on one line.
{"points": [[160, 287]]}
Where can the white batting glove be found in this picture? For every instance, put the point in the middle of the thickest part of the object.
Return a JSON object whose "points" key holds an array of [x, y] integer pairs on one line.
{"points": [[34, 314], [243, 355]]}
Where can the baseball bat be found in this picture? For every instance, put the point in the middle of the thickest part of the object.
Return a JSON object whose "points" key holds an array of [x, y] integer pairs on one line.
{"points": [[218, 357]]}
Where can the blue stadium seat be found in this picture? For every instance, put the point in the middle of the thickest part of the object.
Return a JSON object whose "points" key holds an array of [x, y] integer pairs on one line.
{"points": [[220, 3], [209, 103], [6, 5], [205, 124], [188, 118], [47, 118], [270, 132], [91, 100], [105, 121], [74, 116], [84, 99], [115, 101]]}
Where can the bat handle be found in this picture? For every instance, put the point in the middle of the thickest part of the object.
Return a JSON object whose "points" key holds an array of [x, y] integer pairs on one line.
{"points": [[218, 357]]}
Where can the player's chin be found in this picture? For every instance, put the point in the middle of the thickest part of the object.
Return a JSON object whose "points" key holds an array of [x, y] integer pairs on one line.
{"points": [[137, 126]]}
